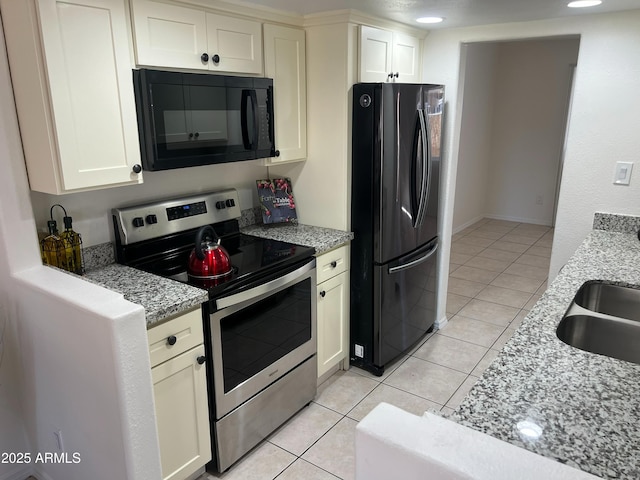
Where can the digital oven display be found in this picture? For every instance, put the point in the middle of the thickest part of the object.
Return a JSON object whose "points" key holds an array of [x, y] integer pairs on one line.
{"points": [[187, 210]]}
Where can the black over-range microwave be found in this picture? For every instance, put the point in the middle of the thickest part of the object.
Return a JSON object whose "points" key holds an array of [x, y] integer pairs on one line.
{"points": [[191, 119]]}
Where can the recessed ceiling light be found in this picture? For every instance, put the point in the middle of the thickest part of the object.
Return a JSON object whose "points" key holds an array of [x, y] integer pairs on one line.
{"points": [[584, 3], [429, 19]]}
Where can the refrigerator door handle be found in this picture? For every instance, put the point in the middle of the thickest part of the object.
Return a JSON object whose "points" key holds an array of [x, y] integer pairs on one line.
{"points": [[415, 262], [426, 162]]}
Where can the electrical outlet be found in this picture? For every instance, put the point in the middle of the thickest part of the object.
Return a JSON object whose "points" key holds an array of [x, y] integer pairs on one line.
{"points": [[359, 350]]}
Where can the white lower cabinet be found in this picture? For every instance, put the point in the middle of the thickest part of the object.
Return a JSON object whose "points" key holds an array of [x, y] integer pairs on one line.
{"points": [[180, 394], [332, 273]]}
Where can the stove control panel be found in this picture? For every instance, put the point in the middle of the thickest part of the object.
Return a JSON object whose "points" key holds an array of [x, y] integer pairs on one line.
{"points": [[186, 210], [151, 220]]}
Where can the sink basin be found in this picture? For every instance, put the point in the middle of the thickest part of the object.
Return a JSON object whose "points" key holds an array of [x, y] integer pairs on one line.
{"points": [[604, 319], [613, 337], [623, 302]]}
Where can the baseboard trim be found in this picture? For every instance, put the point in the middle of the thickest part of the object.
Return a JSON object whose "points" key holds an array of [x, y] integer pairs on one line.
{"points": [[467, 224], [440, 323], [20, 472], [535, 221]]}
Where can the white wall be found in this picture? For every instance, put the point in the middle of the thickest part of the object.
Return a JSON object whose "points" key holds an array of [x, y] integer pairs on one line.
{"points": [[74, 354], [90, 210], [604, 122], [87, 375], [474, 157], [18, 250], [531, 89]]}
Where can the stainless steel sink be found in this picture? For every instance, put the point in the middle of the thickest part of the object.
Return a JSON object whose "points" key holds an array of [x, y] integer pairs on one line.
{"points": [[609, 299], [604, 319], [613, 337]]}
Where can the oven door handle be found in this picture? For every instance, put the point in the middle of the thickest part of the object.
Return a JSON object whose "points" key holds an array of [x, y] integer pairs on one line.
{"points": [[267, 288]]}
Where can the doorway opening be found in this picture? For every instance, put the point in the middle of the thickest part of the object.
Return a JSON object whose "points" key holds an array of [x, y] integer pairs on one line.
{"points": [[515, 98]]}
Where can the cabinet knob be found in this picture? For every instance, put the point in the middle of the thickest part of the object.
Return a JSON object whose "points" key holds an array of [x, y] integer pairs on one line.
{"points": [[172, 340], [323, 293], [137, 168], [190, 135], [201, 359], [215, 58], [197, 135], [204, 57], [277, 153], [334, 264]]}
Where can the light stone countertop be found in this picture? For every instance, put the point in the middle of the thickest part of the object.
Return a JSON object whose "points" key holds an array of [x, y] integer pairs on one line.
{"points": [[322, 239], [162, 297], [588, 405]]}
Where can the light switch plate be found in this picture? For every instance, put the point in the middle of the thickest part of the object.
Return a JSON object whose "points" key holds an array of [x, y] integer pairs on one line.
{"points": [[622, 175]]}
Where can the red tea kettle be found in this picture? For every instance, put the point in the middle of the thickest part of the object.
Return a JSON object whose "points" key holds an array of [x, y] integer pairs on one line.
{"points": [[209, 263]]}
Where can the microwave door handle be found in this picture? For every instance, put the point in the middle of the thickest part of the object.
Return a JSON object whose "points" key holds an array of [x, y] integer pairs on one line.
{"points": [[248, 95], [256, 123]]}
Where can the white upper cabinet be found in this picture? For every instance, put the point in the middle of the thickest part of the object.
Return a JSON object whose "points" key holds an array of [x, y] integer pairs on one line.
{"points": [[71, 74], [406, 58], [237, 43], [284, 61], [375, 54], [387, 56], [182, 37]]}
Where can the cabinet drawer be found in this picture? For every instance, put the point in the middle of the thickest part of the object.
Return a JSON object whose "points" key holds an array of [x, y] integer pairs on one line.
{"points": [[332, 263], [187, 330]]}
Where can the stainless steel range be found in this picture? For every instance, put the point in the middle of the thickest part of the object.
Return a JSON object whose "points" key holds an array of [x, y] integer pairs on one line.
{"points": [[259, 322]]}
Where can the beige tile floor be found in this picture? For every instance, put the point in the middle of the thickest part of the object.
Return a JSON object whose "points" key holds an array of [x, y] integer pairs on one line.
{"points": [[498, 271]]}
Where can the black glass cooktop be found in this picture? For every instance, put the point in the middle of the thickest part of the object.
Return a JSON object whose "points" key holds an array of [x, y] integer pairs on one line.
{"points": [[253, 260]]}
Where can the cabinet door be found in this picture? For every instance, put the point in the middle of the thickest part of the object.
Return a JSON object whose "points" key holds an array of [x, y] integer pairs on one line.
{"points": [[406, 58], [237, 42], [182, 414], [169, 35], [333, 321], [375, 54], [284, 61], [88, 66]]}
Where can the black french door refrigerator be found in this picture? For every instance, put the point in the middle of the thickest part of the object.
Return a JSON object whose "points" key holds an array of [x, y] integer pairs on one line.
{"points": [[396, 153]]}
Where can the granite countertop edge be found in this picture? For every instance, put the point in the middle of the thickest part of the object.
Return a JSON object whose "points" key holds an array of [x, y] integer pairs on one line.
{"points": [[321, 238], [163, 298], [585, 404]]}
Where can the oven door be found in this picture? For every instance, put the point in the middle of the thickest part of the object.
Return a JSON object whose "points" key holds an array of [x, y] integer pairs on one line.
{"points": [[260, 334]]}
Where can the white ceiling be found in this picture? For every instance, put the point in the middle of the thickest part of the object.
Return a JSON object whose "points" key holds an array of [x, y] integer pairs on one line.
{"points": [[457, 13]]}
